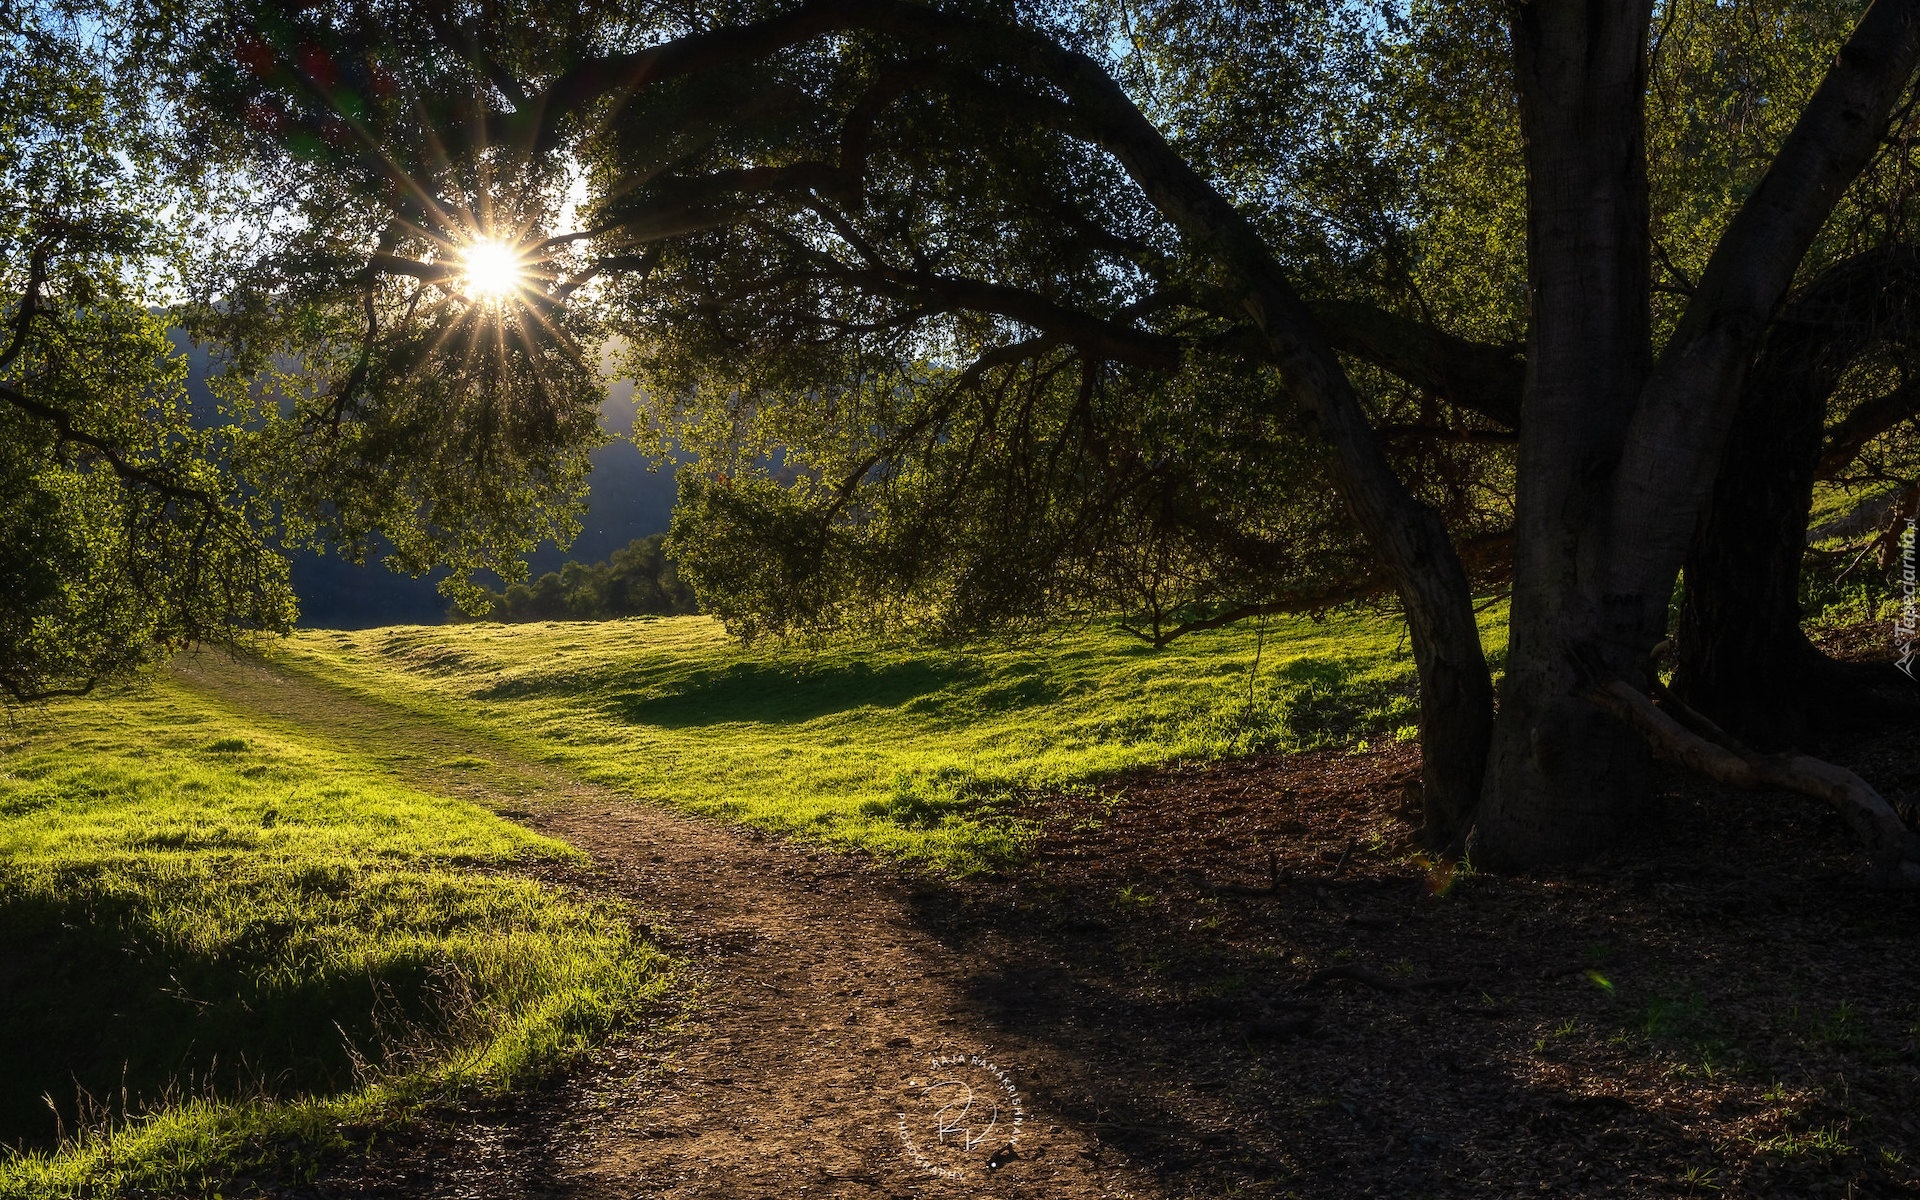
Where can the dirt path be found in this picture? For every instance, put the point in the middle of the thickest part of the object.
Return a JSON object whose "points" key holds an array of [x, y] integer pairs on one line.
{"points": [[831, 1045]]}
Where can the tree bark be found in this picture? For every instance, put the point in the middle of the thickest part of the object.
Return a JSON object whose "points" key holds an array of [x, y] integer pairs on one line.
{"points": [[1681, 424], [1488, 380], [1564, 775]]}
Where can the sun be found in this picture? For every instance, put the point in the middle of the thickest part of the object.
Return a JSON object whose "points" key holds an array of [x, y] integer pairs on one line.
{"points": [[493, 270]]}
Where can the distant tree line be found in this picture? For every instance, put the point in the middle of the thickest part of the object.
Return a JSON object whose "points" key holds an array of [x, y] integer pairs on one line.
{"points": [[639, 580]]}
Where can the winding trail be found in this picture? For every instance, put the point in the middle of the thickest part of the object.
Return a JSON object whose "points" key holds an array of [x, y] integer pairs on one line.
{"points": [[828, 1047]]}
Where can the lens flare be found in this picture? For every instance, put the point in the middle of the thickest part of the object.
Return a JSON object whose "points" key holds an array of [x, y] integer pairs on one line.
{"points": [[493, 270]]}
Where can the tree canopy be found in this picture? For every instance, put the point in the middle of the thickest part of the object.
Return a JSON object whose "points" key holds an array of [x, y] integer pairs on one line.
{"points": [[132, 524], [125, 530]]}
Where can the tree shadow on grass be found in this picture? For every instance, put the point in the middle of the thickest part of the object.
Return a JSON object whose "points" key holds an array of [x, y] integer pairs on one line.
{"points": [[763, 693], [104, 1016]]}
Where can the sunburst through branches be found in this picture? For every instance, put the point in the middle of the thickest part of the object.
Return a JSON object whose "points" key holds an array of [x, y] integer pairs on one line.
{"points": [[494, 271]]}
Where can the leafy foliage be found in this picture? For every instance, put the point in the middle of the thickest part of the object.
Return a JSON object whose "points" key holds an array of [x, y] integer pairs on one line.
{"points": [[349, 413], [945, 363], [638, 581], [404, 412], [124, 530], [992, 390]]}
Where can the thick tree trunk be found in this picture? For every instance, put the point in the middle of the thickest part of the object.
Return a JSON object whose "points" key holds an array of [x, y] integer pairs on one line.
{"points": [[1679, 433], [1742, 658], [1612, 480], [1565, 777]]}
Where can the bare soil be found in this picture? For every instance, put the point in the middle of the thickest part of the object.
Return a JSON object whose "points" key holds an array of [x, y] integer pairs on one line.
{"points": [[1233, 979]]}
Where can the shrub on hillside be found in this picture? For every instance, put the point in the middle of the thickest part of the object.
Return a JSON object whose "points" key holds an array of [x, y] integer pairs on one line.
{"points": [[639, 580]]}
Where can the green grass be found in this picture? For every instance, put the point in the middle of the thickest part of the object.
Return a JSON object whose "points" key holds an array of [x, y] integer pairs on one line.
{"points": [[223, 944], [906, 751], [1822, 1144], [1832, 501]]}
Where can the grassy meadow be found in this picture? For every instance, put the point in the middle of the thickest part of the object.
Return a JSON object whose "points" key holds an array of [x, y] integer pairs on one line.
{"points": [[223, 944], [903, 750]]}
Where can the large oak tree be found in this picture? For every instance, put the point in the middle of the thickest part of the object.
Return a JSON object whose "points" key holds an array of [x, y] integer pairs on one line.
{"points": [[955, 234]]}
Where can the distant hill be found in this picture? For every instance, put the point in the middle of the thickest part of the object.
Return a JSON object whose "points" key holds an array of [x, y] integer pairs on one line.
{"points": [[625, 501]]}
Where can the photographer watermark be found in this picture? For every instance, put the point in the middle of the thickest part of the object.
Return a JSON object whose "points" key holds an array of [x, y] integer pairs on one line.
{"points": [[961, 1115], [1907, 627]]}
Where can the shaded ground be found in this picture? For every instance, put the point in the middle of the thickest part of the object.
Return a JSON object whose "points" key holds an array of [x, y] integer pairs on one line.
{"points": [[1724, 1009], [1236, 980]]}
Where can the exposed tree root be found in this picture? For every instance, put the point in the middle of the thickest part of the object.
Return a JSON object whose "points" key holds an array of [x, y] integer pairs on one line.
{"points": [[1685, 737]]}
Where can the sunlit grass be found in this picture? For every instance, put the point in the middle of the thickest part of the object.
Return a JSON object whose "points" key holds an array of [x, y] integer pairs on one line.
{"points": [[1823, 1144], [225, 946], [906, 751]]}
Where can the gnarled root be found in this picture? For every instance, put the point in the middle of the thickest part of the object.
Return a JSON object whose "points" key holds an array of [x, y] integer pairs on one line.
{"points": [[1892, 848]]}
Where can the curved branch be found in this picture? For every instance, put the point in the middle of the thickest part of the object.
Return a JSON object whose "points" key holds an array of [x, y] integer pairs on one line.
{"points": [[1472, 375], [21, 693], [537, 125], [1456, 686], [127, 470], [395, 264], [1893, 849], [1865, 423], [1070, 88], [29, 304], [1098, 337]]}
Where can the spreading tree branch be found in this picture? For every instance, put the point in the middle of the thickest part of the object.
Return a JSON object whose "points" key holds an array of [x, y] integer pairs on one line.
{"points": [[128, 470], [1471, 375], [1865, 423], [22, 693]]}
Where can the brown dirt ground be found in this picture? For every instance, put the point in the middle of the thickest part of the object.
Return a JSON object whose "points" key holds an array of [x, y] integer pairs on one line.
{"points": [[1227, 980]]}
